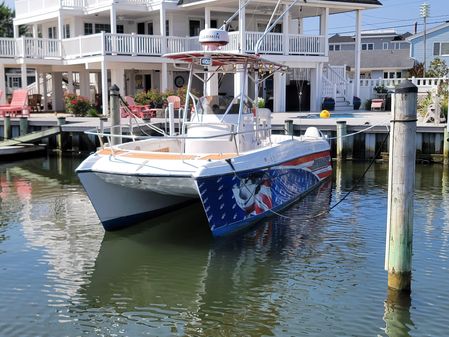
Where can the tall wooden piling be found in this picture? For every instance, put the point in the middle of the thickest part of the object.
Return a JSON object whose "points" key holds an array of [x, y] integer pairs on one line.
{"points": [[116, 129], [7, 127], [401, 186], [23, 125], [341, 140], [289, 127]]}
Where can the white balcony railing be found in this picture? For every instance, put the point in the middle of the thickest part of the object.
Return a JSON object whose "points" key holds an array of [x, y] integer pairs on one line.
{"points": [[149, 45]]}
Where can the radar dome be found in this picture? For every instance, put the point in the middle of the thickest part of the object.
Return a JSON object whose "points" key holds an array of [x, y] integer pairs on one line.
{"points": [[212, 39]]}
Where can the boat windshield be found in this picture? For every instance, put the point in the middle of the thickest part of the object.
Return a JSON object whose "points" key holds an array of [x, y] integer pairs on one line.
{"points": [[217, 105]]}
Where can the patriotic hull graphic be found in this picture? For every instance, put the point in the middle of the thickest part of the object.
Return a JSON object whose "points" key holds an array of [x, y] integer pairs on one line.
{"points": [[238, 199]]}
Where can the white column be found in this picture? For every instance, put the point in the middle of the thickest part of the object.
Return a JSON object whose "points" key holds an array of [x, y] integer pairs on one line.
{"points": [[2, 84], [70, 87], [242, 28], [84, 83], [238, 84], [315, 87], [300, 26], [170, 80], [279, 84], [113, 19], [206, 18], [45, 91], [23, 73], [35, 32], [212, 85], [118, 78], [16, 31], [57, 94], [164, 77], [162, 19], [358, 42], [104, 88], [285, 31], [60, 26], [324, 20], [38, 81]]}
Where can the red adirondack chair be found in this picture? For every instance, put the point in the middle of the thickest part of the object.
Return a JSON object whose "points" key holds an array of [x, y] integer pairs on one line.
{"points": [[18, 104]]}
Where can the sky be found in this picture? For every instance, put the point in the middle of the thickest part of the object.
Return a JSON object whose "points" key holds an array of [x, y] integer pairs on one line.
{"points": [[398, 14]]}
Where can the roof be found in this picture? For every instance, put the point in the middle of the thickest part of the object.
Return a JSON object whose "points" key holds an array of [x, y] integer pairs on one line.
{"points": [[350, 39], [431, 30], [366, 2], [341, 39]]}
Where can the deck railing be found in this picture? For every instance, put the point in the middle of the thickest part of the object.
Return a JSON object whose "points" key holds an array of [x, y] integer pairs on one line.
{"points": [[146, 45]]}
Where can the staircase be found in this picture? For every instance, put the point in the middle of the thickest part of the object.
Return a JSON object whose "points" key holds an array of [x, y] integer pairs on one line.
{"points": [[337, 85]]}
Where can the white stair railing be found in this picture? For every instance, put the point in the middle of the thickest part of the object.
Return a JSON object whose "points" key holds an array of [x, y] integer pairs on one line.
{"points": [[337, 76]]}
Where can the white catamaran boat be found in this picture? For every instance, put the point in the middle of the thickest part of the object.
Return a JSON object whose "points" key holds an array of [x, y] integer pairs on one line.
{"points": [[224, 155]]}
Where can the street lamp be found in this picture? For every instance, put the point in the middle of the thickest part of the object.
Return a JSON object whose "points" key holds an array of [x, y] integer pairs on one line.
{"points": [[424, 12]]}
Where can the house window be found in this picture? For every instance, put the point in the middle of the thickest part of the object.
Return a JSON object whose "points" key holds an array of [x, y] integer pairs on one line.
{"points": [[213, 24], [88, 28], [194, 27], [436, 49], [52, 32], [385, 45], [167, 28], [15, 82], [441, 48], [334, 47], [102, 27], [367, 46], [150, 28], [120, 29], [66, 31]]}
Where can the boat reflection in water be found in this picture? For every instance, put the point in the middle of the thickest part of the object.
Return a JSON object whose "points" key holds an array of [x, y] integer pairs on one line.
{"points": [[174, 278]]}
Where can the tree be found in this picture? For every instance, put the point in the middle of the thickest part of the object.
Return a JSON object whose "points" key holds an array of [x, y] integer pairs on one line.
{"points": [[438, 68], [417, 70], [6, 22]]}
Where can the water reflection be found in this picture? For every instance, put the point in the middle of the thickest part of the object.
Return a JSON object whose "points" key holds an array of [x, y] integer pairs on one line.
{"points": [[172, 277], [397, 314]]}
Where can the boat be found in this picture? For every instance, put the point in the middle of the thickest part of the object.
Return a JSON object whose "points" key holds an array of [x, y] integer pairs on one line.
{"points": [[223, 154]]}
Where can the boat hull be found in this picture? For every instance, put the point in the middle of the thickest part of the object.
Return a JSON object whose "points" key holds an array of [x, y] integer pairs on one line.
{"points": [[119, 206], [239, 199]]}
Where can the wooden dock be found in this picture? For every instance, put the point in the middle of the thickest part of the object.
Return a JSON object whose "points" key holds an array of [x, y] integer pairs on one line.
{"points": [[367, 129]]}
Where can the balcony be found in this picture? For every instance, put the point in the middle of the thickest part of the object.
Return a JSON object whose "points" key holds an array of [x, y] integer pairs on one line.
{"points": [[150, 45]]}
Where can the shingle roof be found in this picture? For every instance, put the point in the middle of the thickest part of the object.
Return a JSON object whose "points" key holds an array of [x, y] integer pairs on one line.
{"points": [[340, 38]]}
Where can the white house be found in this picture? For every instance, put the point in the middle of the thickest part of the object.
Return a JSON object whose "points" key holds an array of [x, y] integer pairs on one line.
{"points": [[93, 43]]}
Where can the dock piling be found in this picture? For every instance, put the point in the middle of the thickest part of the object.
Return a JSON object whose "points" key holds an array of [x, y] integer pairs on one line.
{"points": [[7, 127], [116, 129], [446, 146], [341, 140], [289, 127], [401, 186], [23, 126], [60, 135]]}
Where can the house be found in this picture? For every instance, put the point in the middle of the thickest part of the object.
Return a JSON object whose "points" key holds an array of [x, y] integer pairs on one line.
{"points": [[384, 53], [436, 44], [93, 43]]}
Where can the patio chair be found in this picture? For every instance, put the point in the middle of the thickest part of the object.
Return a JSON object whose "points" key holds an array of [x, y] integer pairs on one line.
{"points": [[141, 111], [377, 104], [18, 104]]}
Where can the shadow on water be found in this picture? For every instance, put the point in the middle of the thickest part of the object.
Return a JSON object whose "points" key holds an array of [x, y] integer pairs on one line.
{"points": [[171, 271]]}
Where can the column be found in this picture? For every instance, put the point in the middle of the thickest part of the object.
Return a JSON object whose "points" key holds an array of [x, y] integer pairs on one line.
{"points": [[60, 26], [37, 81], [242, 28], [162, 19], [315, 87], [358, 42], [118, 78], [113, 19], [206, 18], [23, 73], [2, 84], [164, 77], [16, 31], [324, 19], [58, 94], [70, 86], [212, 85], [44, 91], [279, 84], [300, 26], [238, 84], [35, 31], [285, 31], [104, 88], [84, 83]]}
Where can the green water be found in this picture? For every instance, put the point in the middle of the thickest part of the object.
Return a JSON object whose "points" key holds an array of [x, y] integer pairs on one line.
{"points": [[306, 273]]}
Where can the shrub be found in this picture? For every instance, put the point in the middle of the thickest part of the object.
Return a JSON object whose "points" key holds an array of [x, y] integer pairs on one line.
{"points": [[77, 105]]}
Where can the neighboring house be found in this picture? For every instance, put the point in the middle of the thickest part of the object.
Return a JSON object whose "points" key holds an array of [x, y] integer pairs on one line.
{"points": [[437, 44], [384, 54], [102, 42]]}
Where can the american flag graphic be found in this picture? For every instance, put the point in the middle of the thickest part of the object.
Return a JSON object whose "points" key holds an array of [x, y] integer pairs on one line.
{"points": [[238, 198]]}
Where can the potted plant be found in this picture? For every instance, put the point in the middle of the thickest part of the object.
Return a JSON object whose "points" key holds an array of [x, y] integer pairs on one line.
{"points": [[356, 102], [328, 104]]}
